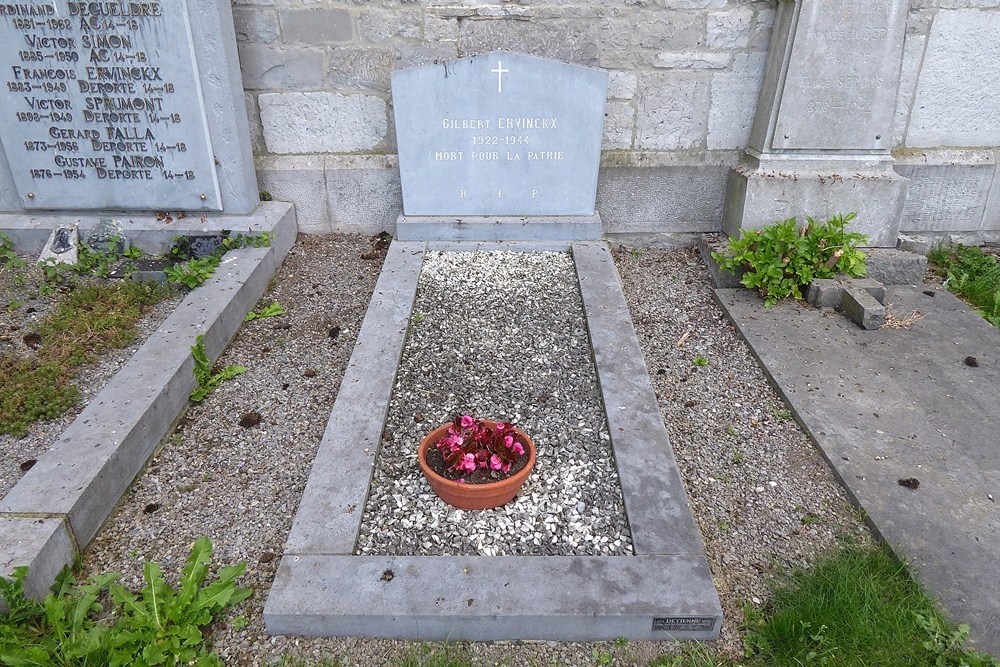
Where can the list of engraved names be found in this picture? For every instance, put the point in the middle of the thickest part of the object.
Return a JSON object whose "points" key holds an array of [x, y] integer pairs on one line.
{"points": [[103, 98]]}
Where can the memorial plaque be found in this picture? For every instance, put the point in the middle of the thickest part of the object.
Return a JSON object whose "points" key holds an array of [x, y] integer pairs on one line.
{"points": [[840, 87], [104, 108], [684, 623], [499, 134]]}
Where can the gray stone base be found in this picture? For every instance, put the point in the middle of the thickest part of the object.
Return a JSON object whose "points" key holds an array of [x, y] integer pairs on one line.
{"points": [[496, 228], [758, 195], [895, 267], [60, 504], [663, 592]]}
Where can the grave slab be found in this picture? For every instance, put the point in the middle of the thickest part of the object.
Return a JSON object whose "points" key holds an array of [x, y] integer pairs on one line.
{"points": [[664, 592], [80, 478], [485, 228], [894, 404]]}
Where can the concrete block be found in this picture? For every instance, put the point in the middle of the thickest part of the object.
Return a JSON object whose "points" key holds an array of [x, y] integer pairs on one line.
{"points": [[690, 60], [269, 67], [360, 68], [322, 122], [378, 25], [300, 180], [441, 598], [824, 292], [569, 40], [759, 197], [410, 55], [955, 101], [43, 545], [730, 29], [862, 308], [622, 85], [668, 30], [364, 193], [760, 32], [619, 123], [256, 25], [316, 25], [947, 197], [661, 199], [673, 110], [440, 28], [895, 267], [734, 101], [870, 285]]}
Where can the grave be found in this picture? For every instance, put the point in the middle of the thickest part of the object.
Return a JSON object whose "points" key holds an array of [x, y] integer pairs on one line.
{"points": [[499, 146], [456, 202], [821, 138], [133, 112]]}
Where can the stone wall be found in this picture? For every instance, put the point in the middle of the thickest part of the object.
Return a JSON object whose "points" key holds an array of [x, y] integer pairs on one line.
{"points": [[685, 76]]}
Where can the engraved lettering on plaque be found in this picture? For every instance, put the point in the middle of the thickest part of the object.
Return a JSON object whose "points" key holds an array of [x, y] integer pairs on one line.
{"points": [[104, 107]]}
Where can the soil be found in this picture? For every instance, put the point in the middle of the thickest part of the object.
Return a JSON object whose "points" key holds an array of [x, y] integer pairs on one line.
{"points": [[435, 461]]}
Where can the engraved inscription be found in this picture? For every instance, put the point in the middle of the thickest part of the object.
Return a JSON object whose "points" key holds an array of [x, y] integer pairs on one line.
{"points": [[840, 87], [100, 96], [683, 623]]}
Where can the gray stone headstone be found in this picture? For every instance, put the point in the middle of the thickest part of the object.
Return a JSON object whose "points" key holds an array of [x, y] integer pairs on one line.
{"points": [[840, 85], [499, 134], [123, 106]]}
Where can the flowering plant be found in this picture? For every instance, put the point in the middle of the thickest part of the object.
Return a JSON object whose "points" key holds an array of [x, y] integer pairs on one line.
{"points": [[470, 445]]}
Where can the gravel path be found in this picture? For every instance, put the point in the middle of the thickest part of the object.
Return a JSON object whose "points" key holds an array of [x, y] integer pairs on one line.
{"points": [[21, 308], [499, 336], [761, 494]]}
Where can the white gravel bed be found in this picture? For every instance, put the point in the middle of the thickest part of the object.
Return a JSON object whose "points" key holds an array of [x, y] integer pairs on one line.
{"points": [[20, 453], [500, 336], [241, 486]]}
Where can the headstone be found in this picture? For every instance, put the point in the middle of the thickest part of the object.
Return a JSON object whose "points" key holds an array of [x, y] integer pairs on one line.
{"points": [[122, 105], [500, 134], [821, 138]]}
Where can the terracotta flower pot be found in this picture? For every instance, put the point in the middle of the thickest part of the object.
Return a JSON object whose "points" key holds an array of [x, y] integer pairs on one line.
{"points": [[475, 496]]}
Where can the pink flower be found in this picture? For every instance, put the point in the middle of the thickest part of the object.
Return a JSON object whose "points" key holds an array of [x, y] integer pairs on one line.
{"points": [[495, 462], [518, 449], [506, 468], [508, 441], [468, 463], [501, 427], [467, 421], [461, 480]]}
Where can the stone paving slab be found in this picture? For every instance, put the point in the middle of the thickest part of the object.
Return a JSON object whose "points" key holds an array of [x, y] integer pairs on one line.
{"points": [[898, 404], [664, 592], [498, 228], [486, 598], [79, 479]]}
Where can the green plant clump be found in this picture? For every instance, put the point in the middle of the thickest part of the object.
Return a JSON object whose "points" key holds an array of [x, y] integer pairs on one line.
{"points": [[87, 322], [195, 272], [973, 275], [858, 607], [159, 626], [203, 375], [783, 258]]}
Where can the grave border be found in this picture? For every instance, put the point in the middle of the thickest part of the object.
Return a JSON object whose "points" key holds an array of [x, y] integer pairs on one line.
{"points": [[663, 592], [59, 505]]}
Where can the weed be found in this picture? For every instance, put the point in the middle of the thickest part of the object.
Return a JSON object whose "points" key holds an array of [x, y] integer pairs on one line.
{"points": [[273, 310], [428, 656], [159, 626], [781, 259], [195, 272], [700, 361], [855, 607], [239, 623], [972, 275], [204, 377], [782, 413], [809, 519], [85, 323], [738, 457], [417, 317], [9, 260]]}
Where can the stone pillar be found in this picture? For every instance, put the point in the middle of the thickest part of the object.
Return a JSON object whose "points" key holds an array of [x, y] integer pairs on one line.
{"points": [[821, 138]]}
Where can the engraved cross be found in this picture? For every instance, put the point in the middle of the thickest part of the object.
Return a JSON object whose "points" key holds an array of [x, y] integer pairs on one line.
{"points": [[500, 71]]}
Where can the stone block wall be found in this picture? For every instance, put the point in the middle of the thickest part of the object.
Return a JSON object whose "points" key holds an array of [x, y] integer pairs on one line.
{"points": [[684, 81]]}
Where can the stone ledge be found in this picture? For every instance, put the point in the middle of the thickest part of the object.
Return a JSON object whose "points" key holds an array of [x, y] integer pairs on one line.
{"points": [[498, 228], [81, 477]]}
